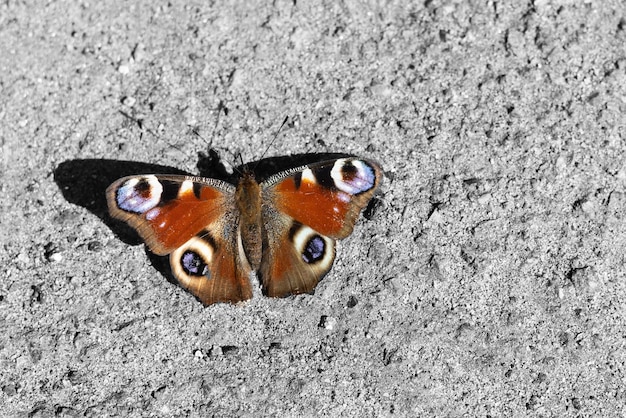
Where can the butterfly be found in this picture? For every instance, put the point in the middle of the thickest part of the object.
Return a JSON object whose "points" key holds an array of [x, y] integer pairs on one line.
{"points": [[216, 233]]}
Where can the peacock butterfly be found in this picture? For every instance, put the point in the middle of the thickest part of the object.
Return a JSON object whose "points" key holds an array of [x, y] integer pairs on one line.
{"points": [[217, 233]]}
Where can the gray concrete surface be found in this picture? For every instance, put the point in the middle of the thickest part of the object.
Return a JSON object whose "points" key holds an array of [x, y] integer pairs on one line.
{"points": [[488, 281]]}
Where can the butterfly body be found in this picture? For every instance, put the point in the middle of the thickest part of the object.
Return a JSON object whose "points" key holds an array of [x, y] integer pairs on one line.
{"points": [[216, 233]]}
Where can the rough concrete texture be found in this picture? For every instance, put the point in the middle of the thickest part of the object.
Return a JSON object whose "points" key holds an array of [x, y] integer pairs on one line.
{"points": [[487, 280]]}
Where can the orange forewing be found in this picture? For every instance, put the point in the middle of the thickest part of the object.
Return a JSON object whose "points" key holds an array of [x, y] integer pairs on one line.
{"points": [[167, 227], [180, 219], [330, 211], [311, 204]]}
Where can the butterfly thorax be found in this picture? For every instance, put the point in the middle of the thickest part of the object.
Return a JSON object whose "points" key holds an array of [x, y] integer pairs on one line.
{"points": [[248, 202]]}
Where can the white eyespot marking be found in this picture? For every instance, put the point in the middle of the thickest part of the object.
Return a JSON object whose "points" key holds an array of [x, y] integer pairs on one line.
{"points": [[152, 213], [139, 194], [344, 197], [301, 236], [353, 176], [191, 261], [316, 250], [308, 176]]}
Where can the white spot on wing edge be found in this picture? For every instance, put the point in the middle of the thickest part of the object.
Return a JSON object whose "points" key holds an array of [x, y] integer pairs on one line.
{"points": [[186, 187], [152, 214], [308, 176]]}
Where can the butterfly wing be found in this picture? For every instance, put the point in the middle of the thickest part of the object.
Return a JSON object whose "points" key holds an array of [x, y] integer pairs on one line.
{"points": [[305, 210], [193, 220]]}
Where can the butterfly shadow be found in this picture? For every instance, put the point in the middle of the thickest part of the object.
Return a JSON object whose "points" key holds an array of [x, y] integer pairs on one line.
{"points": [[83, 182]]}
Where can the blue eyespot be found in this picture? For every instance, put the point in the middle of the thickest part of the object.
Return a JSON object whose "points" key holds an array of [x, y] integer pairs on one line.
{"points": [[193, 264], [139, 194], [314, 250]]}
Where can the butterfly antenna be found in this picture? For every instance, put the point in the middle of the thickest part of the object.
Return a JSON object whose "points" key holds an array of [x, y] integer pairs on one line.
{"points": [[273, 140], [196, 132], [242, 165], [220, 108]]}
